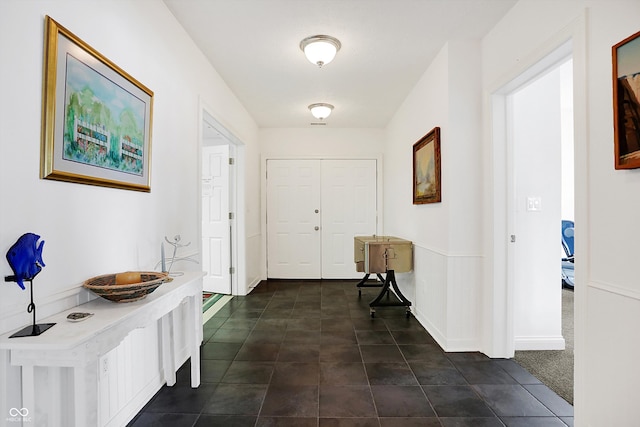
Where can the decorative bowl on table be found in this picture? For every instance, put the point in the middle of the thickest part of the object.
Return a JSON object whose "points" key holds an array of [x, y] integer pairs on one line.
{"points": [[128, 286]]}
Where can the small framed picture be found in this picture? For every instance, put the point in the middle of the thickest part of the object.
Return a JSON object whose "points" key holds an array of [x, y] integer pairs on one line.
{"points": [[426, 169]]}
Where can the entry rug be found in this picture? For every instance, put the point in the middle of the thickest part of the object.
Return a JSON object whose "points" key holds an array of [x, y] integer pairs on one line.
{"points": [[208, 299]]}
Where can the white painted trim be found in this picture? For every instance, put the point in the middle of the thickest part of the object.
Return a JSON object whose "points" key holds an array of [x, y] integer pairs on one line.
{"points": [[581, 205], [437, 335], [253, 284], [617, 290], [498, 338], [448, 345], [238, 238], [445, 253], [540, 343], [454, 346]]}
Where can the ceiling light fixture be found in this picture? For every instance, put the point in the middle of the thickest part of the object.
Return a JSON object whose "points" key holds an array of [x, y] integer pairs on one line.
{"points": [[320, 110], [320, 50]]}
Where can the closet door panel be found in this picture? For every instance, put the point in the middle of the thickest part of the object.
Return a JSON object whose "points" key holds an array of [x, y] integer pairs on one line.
{"points": [[293, 196], [348, 210]]}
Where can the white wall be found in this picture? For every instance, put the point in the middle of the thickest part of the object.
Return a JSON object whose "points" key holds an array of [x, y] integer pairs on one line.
{"points": [[93, 230], [321, 141], [535, 140], [607, 296], [451, 261], [426, 107], [318, 143], [445, 284]]}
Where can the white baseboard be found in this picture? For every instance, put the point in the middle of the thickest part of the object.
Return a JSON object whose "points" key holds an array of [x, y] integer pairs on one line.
{"points": [[448, 345], [540, 343], [431, 329], [255, 282]]}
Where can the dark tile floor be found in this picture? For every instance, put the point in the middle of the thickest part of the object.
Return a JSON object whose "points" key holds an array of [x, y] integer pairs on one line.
{"points": [[308, 353]]}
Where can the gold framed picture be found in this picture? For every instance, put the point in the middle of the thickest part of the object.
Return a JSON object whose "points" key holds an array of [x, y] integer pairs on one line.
{"points": [[96, 118]]}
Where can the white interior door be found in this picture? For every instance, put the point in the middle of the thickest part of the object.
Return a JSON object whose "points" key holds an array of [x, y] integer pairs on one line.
{"points": [[348, 210], [293, 219], [216, 235]]}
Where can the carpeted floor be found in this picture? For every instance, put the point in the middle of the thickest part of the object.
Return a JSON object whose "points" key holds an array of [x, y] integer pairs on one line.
{"points": [[555, 367]]}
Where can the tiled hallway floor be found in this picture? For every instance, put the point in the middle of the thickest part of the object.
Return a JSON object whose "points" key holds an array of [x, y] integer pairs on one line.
{"points": [[307, 353]]}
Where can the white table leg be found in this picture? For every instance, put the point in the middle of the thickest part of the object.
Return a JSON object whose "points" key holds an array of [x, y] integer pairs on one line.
{"points": [[168, 356], [54, 401], [90, 393], [4, 385], [195, 308], [28, 390]]}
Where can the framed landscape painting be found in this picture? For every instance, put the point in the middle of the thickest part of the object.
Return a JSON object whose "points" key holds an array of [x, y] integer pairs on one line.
{"points": [[96, 118], [426, 169], [626, 102]]}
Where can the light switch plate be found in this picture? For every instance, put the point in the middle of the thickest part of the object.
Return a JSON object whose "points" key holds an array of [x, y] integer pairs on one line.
{"points": [[534, 204]]}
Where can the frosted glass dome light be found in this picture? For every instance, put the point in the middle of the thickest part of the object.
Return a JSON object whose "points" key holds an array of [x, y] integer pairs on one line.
{"points": [[320, 50], [321, 110]]}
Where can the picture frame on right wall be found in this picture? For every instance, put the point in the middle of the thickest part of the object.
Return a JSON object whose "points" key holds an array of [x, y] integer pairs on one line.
{"points": [[626, 102], [426, 169]]}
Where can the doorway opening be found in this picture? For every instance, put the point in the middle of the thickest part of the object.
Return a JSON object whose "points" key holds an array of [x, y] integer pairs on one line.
{"points": [[537, 107], [222, 208]]}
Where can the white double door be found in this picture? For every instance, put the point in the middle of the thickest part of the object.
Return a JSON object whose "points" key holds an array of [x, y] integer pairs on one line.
{"points": [[314, 209]]}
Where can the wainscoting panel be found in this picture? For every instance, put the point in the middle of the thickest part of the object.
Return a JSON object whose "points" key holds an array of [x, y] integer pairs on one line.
{"points": [[431, 290], [131, 373], [464, 303], [446, 297]]}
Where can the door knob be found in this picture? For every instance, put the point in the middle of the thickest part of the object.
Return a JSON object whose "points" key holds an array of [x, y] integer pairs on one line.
{"points": [[316, 228]]}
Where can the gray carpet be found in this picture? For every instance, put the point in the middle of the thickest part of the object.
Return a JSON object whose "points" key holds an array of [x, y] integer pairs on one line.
{"points": [[555, 367]]}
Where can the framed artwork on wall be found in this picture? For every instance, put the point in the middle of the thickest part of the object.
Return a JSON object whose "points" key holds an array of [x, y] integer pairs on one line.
{"points": [[96, 118], [426, 169], [626, 102]]}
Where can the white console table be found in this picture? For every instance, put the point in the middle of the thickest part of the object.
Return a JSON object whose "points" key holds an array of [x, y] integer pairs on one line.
{"points": [[79, 345]]}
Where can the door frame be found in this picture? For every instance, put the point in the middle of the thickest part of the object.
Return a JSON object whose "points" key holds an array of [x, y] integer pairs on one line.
{"points": [[237, 197], [516, 214], [504, 253], [263, 191], [498, 302]]}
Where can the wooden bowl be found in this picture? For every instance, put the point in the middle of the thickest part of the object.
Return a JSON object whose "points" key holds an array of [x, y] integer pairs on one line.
{"points": [[127, 286]]}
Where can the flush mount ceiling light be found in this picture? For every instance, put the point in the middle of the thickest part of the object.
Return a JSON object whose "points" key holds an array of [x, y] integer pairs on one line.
{"points": [[321, 110], [320, 50]]}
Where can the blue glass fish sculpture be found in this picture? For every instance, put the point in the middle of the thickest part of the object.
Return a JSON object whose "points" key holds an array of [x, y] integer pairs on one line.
{"points": [[25, 258]]}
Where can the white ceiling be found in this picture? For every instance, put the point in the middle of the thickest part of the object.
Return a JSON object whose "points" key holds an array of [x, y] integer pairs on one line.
{"points": [[386, 47]]}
